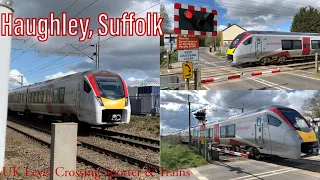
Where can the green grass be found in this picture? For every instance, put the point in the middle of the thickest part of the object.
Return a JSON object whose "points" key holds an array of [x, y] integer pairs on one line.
{"points": [[173, 58], [219, 54], [179, 156], [317, 74]]}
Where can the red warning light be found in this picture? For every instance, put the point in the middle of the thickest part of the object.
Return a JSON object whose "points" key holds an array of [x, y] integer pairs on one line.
{"points": [[188, 14]]}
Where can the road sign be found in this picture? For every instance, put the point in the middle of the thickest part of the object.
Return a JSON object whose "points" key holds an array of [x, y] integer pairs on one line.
{"points": [[187, 70], [184, 43], [188, 55], [202, 140], [194, 20]]}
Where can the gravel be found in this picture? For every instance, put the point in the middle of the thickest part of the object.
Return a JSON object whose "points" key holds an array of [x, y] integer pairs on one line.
{"points": [[24, 152], [138, 153], [113, 164], [144, 126]]}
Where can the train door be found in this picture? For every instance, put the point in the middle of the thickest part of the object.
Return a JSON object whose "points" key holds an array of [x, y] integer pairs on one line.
{"points": [[216, 133], [306, 46], [78, 95], [258, 129], [258, 47]]}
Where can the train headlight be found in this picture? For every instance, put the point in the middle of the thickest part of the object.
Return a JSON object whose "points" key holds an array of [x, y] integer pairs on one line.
{"points": [[126, 104], [99, 101]]}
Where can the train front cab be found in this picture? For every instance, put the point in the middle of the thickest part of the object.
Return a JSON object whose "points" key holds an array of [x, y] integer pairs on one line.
{"points": [[232, 54], [299, 137], [111, 97]]}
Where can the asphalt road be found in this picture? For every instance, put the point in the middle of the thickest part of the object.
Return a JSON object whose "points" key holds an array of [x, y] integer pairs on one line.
{"points": [[291, 80], [247, 169]]}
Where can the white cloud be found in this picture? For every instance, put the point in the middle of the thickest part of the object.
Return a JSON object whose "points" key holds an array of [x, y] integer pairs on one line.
{"points": [[132, 81], [262, 14], [15, 77], [221, 27], [58, 74]]}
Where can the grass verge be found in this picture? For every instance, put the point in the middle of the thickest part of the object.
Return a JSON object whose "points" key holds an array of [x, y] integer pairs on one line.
{"points": [[146, 126], [179, 156], [317, 74], [220, 54]]}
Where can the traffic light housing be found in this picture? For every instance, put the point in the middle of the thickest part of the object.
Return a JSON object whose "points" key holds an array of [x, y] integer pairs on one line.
{"points": [[194, 20], [200, 115]]}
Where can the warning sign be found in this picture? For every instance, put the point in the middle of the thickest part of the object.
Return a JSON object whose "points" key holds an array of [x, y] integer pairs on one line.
{"points": [[184, 43], [202, 140], [187, 70], [188, 55]]}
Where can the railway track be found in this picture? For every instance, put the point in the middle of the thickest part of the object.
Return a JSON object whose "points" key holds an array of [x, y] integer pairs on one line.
{"points": [[89, 148], [146, 143]]}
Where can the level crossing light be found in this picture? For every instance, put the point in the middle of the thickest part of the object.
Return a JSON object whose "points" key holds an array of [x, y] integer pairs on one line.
{"points": [[6, 7]]}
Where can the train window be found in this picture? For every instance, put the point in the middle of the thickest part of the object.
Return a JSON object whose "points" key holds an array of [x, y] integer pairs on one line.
{"points": [[291, 44], [211, 132], [37, 97], [223, 131], [40, 97], [231, 131], [274, 121], [315, 44], [55, 95], [61, 95], [86, 87], [44, 99], [296, 44], [248, 41]]}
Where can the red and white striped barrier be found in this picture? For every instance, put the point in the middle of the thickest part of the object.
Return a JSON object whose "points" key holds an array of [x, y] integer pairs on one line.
{"points": [[231, 152], [239, 76]]}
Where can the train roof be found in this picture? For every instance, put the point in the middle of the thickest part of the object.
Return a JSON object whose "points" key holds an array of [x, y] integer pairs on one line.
{"points": [[257, 110], [95, 72], [283, 33]]}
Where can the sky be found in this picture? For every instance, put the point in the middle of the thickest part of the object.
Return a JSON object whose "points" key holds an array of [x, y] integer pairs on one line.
{"points": [[123, 55], [221, 104], [263, 15]]}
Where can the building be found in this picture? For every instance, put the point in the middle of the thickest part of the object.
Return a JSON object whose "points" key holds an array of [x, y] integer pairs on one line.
{"points": [[231, 32], [145, 99]]}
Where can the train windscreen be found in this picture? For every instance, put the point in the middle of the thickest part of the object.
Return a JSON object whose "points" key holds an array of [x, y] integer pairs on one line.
{"points": [[111, 87], [298, 122], [236, 41]]}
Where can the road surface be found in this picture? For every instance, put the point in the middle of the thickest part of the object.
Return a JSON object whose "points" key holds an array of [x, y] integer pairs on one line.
{"points": [[247, 169]]}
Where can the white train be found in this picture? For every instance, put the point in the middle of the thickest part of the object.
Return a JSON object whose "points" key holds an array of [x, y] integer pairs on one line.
{"points": [[271, 130], [265, 47], [99, 98]]}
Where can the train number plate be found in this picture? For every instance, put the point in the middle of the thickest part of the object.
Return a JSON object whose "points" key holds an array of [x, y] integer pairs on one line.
{"points": [[116, 117]]}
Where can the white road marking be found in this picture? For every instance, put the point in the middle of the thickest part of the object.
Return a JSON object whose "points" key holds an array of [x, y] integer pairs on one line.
{"points": [[303, 76], [271, 173], [276, 86], [197, 174]]}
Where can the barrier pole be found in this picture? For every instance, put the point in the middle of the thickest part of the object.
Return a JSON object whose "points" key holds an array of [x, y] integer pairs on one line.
{"points": [[187, 84], [206, 150], [195, 79], [6, 7], [316, 63]]}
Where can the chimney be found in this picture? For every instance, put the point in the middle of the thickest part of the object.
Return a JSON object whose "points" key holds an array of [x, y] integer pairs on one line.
{"points": [[229, 24]]}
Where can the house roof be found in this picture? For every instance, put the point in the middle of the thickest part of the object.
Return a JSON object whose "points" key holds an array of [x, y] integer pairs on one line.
{"points": [[233, 25]]}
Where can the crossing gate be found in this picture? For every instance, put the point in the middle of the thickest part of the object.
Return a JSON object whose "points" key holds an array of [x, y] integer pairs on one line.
{"points": [[230, 152]]}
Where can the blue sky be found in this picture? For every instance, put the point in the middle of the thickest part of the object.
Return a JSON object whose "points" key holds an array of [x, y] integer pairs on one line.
{"points": [[135, 58], [272, 15]]}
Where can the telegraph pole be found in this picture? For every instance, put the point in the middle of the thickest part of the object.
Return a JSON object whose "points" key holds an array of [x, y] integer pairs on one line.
{"points": [[6, 7], [242, 109], [98, 53], [189, 120], [21, 80]]}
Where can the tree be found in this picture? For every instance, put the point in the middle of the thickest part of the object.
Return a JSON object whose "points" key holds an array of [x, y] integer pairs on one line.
{"points": [[166, 24], [306, 20], [311, 107]]}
